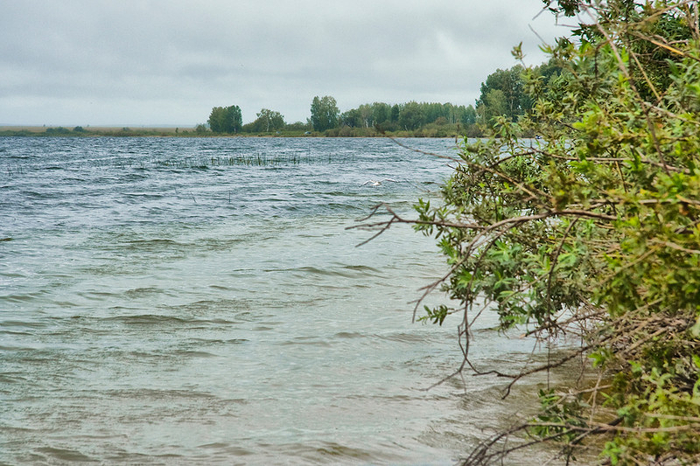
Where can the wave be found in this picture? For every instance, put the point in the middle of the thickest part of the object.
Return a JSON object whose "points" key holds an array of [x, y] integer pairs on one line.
{"points": [[345, 271], [145, 195]]}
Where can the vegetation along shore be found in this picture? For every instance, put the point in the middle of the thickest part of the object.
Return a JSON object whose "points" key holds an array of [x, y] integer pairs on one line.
{"points": [[588, 239]]}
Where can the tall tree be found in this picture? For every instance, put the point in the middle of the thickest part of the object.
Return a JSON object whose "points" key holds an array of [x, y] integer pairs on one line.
{"points": [[493, 104], [395, 113], [351, 118], [226, 119], [511, 102], [268, 120], [366, 115], [381, 112], [468, 116], [412, 116], [324, 113]]}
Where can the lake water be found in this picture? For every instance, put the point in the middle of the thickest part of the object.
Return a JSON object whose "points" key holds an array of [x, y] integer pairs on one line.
{"points": [[200, 301]]}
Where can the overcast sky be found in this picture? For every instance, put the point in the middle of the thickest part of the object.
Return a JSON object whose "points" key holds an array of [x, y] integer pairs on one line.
{"points": [[146, 62]]}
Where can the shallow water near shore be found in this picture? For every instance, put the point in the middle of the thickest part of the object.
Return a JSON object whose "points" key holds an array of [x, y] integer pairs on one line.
{"points": [[201, 301]]}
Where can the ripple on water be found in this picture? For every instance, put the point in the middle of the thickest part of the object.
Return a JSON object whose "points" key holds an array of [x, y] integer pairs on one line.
{"points": [[60, 454], [166, 304]]}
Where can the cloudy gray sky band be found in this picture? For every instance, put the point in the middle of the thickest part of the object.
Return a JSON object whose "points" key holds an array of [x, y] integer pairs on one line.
{"points": [[106, 62]]}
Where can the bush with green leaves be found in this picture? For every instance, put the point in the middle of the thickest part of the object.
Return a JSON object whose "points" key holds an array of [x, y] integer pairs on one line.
{"points": [[592, 231]]}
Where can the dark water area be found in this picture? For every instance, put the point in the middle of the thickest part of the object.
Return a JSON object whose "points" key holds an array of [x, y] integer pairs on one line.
{"points": [[200, 301]]}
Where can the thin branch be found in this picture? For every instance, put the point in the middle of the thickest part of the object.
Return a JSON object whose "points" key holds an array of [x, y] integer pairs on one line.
{"points": [[548, 366], [480, 168], [675, 246], [612, 160], [665, 46], [395, 218]]}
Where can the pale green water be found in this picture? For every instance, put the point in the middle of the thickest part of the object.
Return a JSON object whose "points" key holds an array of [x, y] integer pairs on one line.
{"points": [[173, 301]]}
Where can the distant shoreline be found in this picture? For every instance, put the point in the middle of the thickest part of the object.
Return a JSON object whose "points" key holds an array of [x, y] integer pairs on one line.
{"points": [[431, 131]]}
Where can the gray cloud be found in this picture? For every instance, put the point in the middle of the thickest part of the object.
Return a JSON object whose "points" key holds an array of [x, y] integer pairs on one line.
{"points": [[157, 62]]}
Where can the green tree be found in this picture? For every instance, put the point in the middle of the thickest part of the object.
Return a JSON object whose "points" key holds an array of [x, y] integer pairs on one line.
{"points": [[324, 113], [494, 104], [591, 233], [395, 113], [351, 118], [298, 126], [468, 116], [503, 94], [412, 116], [225, 119], [268, 120], [381, 113]]}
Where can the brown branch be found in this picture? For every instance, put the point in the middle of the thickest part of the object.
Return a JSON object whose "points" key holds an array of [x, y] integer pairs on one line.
{"points": [[478, 167], [612, 160], [575, 319], [657, 145], [663, 45], [675, 246], [484, 454], [420, 151], [555, 258], [548, 366], [644, 74]]}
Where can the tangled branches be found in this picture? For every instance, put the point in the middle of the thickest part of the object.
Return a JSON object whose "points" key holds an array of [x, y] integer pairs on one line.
{"points": [[593, 231]]}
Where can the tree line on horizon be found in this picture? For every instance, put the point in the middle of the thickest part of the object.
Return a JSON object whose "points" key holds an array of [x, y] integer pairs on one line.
{"points": [[503, 94], [326, 118]]}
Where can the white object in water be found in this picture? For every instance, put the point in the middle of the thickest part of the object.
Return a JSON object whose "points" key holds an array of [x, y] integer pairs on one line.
{"points": [[378, 183]]}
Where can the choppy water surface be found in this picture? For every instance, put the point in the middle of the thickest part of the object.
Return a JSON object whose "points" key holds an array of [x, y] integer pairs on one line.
{"points": [[175, 301]]}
